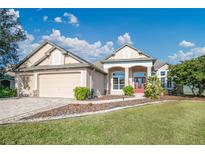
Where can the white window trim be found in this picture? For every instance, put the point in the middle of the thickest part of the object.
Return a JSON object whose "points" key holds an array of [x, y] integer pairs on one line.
{"points": [[56, 58], [164, 72], [118, 84]]}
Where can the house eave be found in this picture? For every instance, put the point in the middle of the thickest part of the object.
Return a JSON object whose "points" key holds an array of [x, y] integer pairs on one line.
{"points": [[55, 67]]}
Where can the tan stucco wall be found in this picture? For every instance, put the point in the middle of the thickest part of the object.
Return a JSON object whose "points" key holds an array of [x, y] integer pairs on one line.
{"points": [[36, 56], [25, 84], [88, 78], [98, 80], [44, 62], [70, 60], [127, 53], [65, 59]]}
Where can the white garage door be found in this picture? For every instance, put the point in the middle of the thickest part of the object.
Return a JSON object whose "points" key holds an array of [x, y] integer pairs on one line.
{"points": [[58, 85]]}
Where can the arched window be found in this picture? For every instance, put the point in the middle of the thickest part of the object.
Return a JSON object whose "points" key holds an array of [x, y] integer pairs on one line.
{"points": [[139, 74], [56, 58], [5, 83], [118, 80]]}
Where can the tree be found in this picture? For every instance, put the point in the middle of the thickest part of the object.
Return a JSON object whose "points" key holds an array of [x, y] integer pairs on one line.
{"points": [[11, 33], [190, 73]]}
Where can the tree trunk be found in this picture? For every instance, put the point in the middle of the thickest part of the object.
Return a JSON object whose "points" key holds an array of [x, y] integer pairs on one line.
{"points": [[201, 90], [192, 89]]}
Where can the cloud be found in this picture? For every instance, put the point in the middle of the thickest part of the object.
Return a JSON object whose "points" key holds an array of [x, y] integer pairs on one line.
{"points": [[58, 19], [72, 19], [185, 43], [15, 29], [45, 18], [26, 46], [124, 39], [90, 51], [186, 55], [13, 13]]}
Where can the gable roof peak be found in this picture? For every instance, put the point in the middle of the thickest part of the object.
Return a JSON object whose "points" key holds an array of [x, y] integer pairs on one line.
{"points": [[130, 46]]}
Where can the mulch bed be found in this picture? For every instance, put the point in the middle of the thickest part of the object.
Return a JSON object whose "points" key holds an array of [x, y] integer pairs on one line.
{"points": [[81, 108]]}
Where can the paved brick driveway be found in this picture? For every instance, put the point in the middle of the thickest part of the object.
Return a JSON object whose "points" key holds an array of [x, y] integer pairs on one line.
{"points": [[14, 109]]}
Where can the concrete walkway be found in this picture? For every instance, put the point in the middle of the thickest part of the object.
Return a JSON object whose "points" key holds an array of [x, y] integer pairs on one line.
{"points": [[137, 96]]}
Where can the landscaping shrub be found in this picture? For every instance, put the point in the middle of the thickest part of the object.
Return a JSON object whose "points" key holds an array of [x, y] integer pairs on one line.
{"points": [[153, 88], [81, 93], [7, 92], [128, 90]]}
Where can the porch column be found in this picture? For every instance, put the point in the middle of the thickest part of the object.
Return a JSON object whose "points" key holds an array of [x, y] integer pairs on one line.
{"points": [[130, 77], [149, 71], [126, 76]]}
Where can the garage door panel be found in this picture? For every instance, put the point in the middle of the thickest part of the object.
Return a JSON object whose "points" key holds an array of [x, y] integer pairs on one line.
{"points": [[58, 85]]}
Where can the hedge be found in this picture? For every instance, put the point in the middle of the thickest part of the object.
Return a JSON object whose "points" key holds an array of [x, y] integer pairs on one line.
{"points": [[7, 92]]}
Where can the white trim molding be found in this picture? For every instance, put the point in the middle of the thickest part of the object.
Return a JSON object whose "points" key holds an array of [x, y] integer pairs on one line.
{"points": [[127, 64]]}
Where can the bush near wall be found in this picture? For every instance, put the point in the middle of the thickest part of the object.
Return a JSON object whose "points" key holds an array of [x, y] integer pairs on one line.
{"points": [[7, 92], [128, 90], [81, 93], [153, 88]]}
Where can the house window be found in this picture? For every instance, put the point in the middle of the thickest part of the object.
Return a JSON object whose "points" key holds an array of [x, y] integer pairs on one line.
{"points": [[163, 73], [56, 58], [139, 74], [169, 83], [163, 82], [118, 80], [153, 73], [5, 83]]}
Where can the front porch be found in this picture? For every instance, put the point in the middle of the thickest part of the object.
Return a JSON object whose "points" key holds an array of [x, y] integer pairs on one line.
{"points": [[118, 77]]}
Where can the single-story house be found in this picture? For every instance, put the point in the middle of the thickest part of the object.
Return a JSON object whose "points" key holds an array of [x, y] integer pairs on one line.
{"points": [[52, 71]]}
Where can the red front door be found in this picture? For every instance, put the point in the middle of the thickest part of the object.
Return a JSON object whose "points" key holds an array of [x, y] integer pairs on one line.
{"points": [[139, 84]]}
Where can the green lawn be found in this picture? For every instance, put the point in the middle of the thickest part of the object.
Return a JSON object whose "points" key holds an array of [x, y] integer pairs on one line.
{"points": [[172, 123]]}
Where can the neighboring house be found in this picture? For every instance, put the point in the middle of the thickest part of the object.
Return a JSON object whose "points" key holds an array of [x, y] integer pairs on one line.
{"points": [[161, 70], [7, 80], [51, 71]]}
